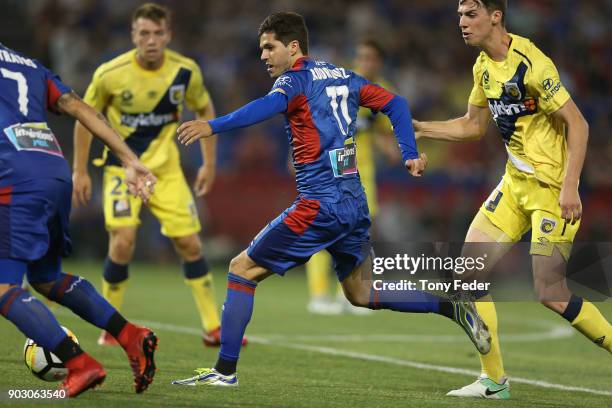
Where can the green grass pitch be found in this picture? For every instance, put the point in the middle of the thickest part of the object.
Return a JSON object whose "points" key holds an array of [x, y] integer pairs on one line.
{"points": [[299, 360]]}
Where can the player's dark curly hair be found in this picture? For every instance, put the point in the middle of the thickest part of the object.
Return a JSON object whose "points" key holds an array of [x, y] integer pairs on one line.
{"points": [[154, 12], [287, 26], [493, 5]]}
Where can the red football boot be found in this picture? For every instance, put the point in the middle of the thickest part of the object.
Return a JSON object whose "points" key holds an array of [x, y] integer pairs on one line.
{"points": [[213, 338], [139, 344], [83, 373]]}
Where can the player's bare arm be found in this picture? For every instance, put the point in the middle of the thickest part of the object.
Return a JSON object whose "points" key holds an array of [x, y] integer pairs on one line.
{"points": [[206, 173], [81, 182], [139, 179], [577, 137], [471, 126]]}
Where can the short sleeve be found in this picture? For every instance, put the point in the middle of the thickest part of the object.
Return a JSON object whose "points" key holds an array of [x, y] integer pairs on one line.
{"points": [[547, 85], [55, 89], [197, 96], [97, 94], [291, 83], [477, 96], [372, 96]]}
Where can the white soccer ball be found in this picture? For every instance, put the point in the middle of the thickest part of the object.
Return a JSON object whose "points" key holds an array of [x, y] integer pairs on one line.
{"points": [[43, 363]]}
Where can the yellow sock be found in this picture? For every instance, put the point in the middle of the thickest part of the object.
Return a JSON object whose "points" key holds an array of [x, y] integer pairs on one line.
{"points": [[204, 295], [491, 363], [593, 325], [114, 292], [317, 273]]}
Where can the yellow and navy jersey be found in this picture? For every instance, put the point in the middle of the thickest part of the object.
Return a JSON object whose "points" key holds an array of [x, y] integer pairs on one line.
{"points": [[144, 106], [522, 92], [368, 124]]}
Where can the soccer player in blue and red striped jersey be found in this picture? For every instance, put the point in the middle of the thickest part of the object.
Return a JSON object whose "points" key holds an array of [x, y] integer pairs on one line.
{"points": [[35, 194], [320, 103]]}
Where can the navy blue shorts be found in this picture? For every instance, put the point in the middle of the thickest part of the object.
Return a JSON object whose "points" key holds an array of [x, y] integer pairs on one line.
{"points": [[310, 226], [34, 230]]}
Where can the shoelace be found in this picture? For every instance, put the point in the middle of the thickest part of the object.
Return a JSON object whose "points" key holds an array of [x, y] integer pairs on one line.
{"points": [[200, 371]]}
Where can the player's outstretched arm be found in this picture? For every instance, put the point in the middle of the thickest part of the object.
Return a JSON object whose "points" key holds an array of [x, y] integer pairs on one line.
{"points": [[81, 182], [577, 137], [139, 179], [470, 127], [207, 172], [250, 114]]}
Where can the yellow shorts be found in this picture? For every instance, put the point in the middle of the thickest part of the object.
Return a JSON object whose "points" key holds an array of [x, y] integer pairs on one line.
{"points": [[172, 203], [521, 202]]}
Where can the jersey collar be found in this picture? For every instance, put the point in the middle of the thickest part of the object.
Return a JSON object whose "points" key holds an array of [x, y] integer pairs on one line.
{"points": [[152, 72], [299, 63]]}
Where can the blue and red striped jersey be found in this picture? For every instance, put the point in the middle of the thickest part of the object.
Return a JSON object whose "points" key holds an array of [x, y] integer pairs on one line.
{"points": [[28, 148], [321, 119]]}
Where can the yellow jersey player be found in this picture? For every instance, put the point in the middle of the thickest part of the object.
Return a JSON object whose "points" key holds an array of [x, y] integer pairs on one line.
{"points": [[373, 132], [142, 92], [545, 135]]}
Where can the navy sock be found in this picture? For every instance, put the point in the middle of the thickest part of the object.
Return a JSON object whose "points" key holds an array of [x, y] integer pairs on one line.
{"points": [[237, 311], [78, 295], [114, 272], [32, 317], [410, 301], [67, 349], [195, 269]]}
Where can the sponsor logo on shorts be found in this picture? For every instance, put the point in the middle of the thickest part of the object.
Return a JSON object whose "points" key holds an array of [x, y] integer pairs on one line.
{"points": [[547, 226], [492, 204], [122, 208]]}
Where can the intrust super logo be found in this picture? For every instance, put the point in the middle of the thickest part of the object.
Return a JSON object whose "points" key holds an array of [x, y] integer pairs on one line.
{"points": [[499, 108]]}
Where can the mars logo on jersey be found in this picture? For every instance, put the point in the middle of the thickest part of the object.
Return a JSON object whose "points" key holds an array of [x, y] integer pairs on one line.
{"points": [[177, 94], [547, 225]]}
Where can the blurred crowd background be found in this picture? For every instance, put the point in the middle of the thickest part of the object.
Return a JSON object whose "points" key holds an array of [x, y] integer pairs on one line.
{"points": [[427, 62]]}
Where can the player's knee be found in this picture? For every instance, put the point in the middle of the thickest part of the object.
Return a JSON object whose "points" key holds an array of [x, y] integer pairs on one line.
{"points": [[189, 248], [6, 287], [43, 288], [122, 247], [238, 265], [359, 300], [358, 297]]}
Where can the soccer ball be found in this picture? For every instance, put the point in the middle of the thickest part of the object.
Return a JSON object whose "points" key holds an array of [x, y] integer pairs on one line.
{"points": [[44, 364]]}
